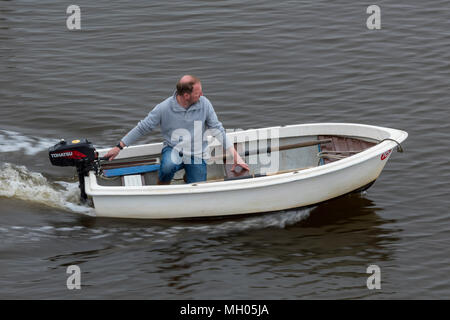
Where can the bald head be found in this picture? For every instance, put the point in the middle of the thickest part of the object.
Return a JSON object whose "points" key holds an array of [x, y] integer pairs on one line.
{"points": [[186, 84], [189, 78]]}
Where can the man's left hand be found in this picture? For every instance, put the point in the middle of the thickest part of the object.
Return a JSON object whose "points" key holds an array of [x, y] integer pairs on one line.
{"points": [[239, 162]]}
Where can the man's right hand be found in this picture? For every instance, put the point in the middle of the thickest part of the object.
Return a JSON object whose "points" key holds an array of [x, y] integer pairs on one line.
{"points": [[114, 152]]}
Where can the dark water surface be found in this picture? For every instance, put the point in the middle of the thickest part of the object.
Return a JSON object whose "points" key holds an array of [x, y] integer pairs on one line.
{"points": [[262, 64]]}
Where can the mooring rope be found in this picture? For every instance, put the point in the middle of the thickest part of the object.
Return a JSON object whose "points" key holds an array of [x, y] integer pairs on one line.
{"points": [[399, 146], [335, 154]]}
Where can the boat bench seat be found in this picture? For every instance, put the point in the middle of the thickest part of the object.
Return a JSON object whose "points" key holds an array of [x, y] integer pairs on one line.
{"points": [[109, 173], [131, 176]]}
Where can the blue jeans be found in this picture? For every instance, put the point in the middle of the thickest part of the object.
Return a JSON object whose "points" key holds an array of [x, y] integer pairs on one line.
{"points": [[171, 162]]}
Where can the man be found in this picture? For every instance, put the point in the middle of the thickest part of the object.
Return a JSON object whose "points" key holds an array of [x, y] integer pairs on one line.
{"points": [[185, 114]]}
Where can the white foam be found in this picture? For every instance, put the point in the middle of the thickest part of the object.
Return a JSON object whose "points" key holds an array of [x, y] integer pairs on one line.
{"points": [[276, 220], [20, 183], [280, 220], [11, 141]]}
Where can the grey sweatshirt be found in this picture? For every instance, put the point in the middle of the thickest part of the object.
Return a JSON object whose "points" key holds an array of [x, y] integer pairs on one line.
{"points": [[183, 129]]}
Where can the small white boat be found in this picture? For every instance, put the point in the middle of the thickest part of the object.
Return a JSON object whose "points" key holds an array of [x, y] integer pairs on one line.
{"points": [[307, 164]]}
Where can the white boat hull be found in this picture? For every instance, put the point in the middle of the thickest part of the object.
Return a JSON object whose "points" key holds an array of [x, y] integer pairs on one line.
{"points": [[263, 194]]}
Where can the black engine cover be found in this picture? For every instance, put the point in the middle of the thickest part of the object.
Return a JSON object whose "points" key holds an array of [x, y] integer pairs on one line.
{"points": [[74, 153]]}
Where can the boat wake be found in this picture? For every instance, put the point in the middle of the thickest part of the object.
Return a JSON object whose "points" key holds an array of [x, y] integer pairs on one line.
{"points": [[122, 234], [279, 220], [20, 183], [11, 141]]}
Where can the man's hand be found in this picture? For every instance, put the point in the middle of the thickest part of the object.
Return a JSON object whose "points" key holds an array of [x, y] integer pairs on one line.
{"points": [[238, 161], [114, 152]]}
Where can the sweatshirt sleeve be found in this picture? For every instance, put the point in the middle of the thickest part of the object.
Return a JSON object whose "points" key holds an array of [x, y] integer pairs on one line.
{"points": [[218, 131], [144, 126]]}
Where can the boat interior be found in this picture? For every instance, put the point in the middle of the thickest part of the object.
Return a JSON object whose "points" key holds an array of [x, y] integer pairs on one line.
{"points": [[288, 154]]}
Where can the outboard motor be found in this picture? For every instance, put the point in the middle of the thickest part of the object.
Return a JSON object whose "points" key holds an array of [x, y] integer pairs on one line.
{"points": [[77, 153]]}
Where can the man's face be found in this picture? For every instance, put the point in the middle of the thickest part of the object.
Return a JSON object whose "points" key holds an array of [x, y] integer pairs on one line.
{"points": [[195, 95]]}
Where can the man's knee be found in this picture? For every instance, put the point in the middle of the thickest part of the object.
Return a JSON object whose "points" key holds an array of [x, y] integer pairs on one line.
{"points": [[171, 162], [166, 171], [196, 172]]}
